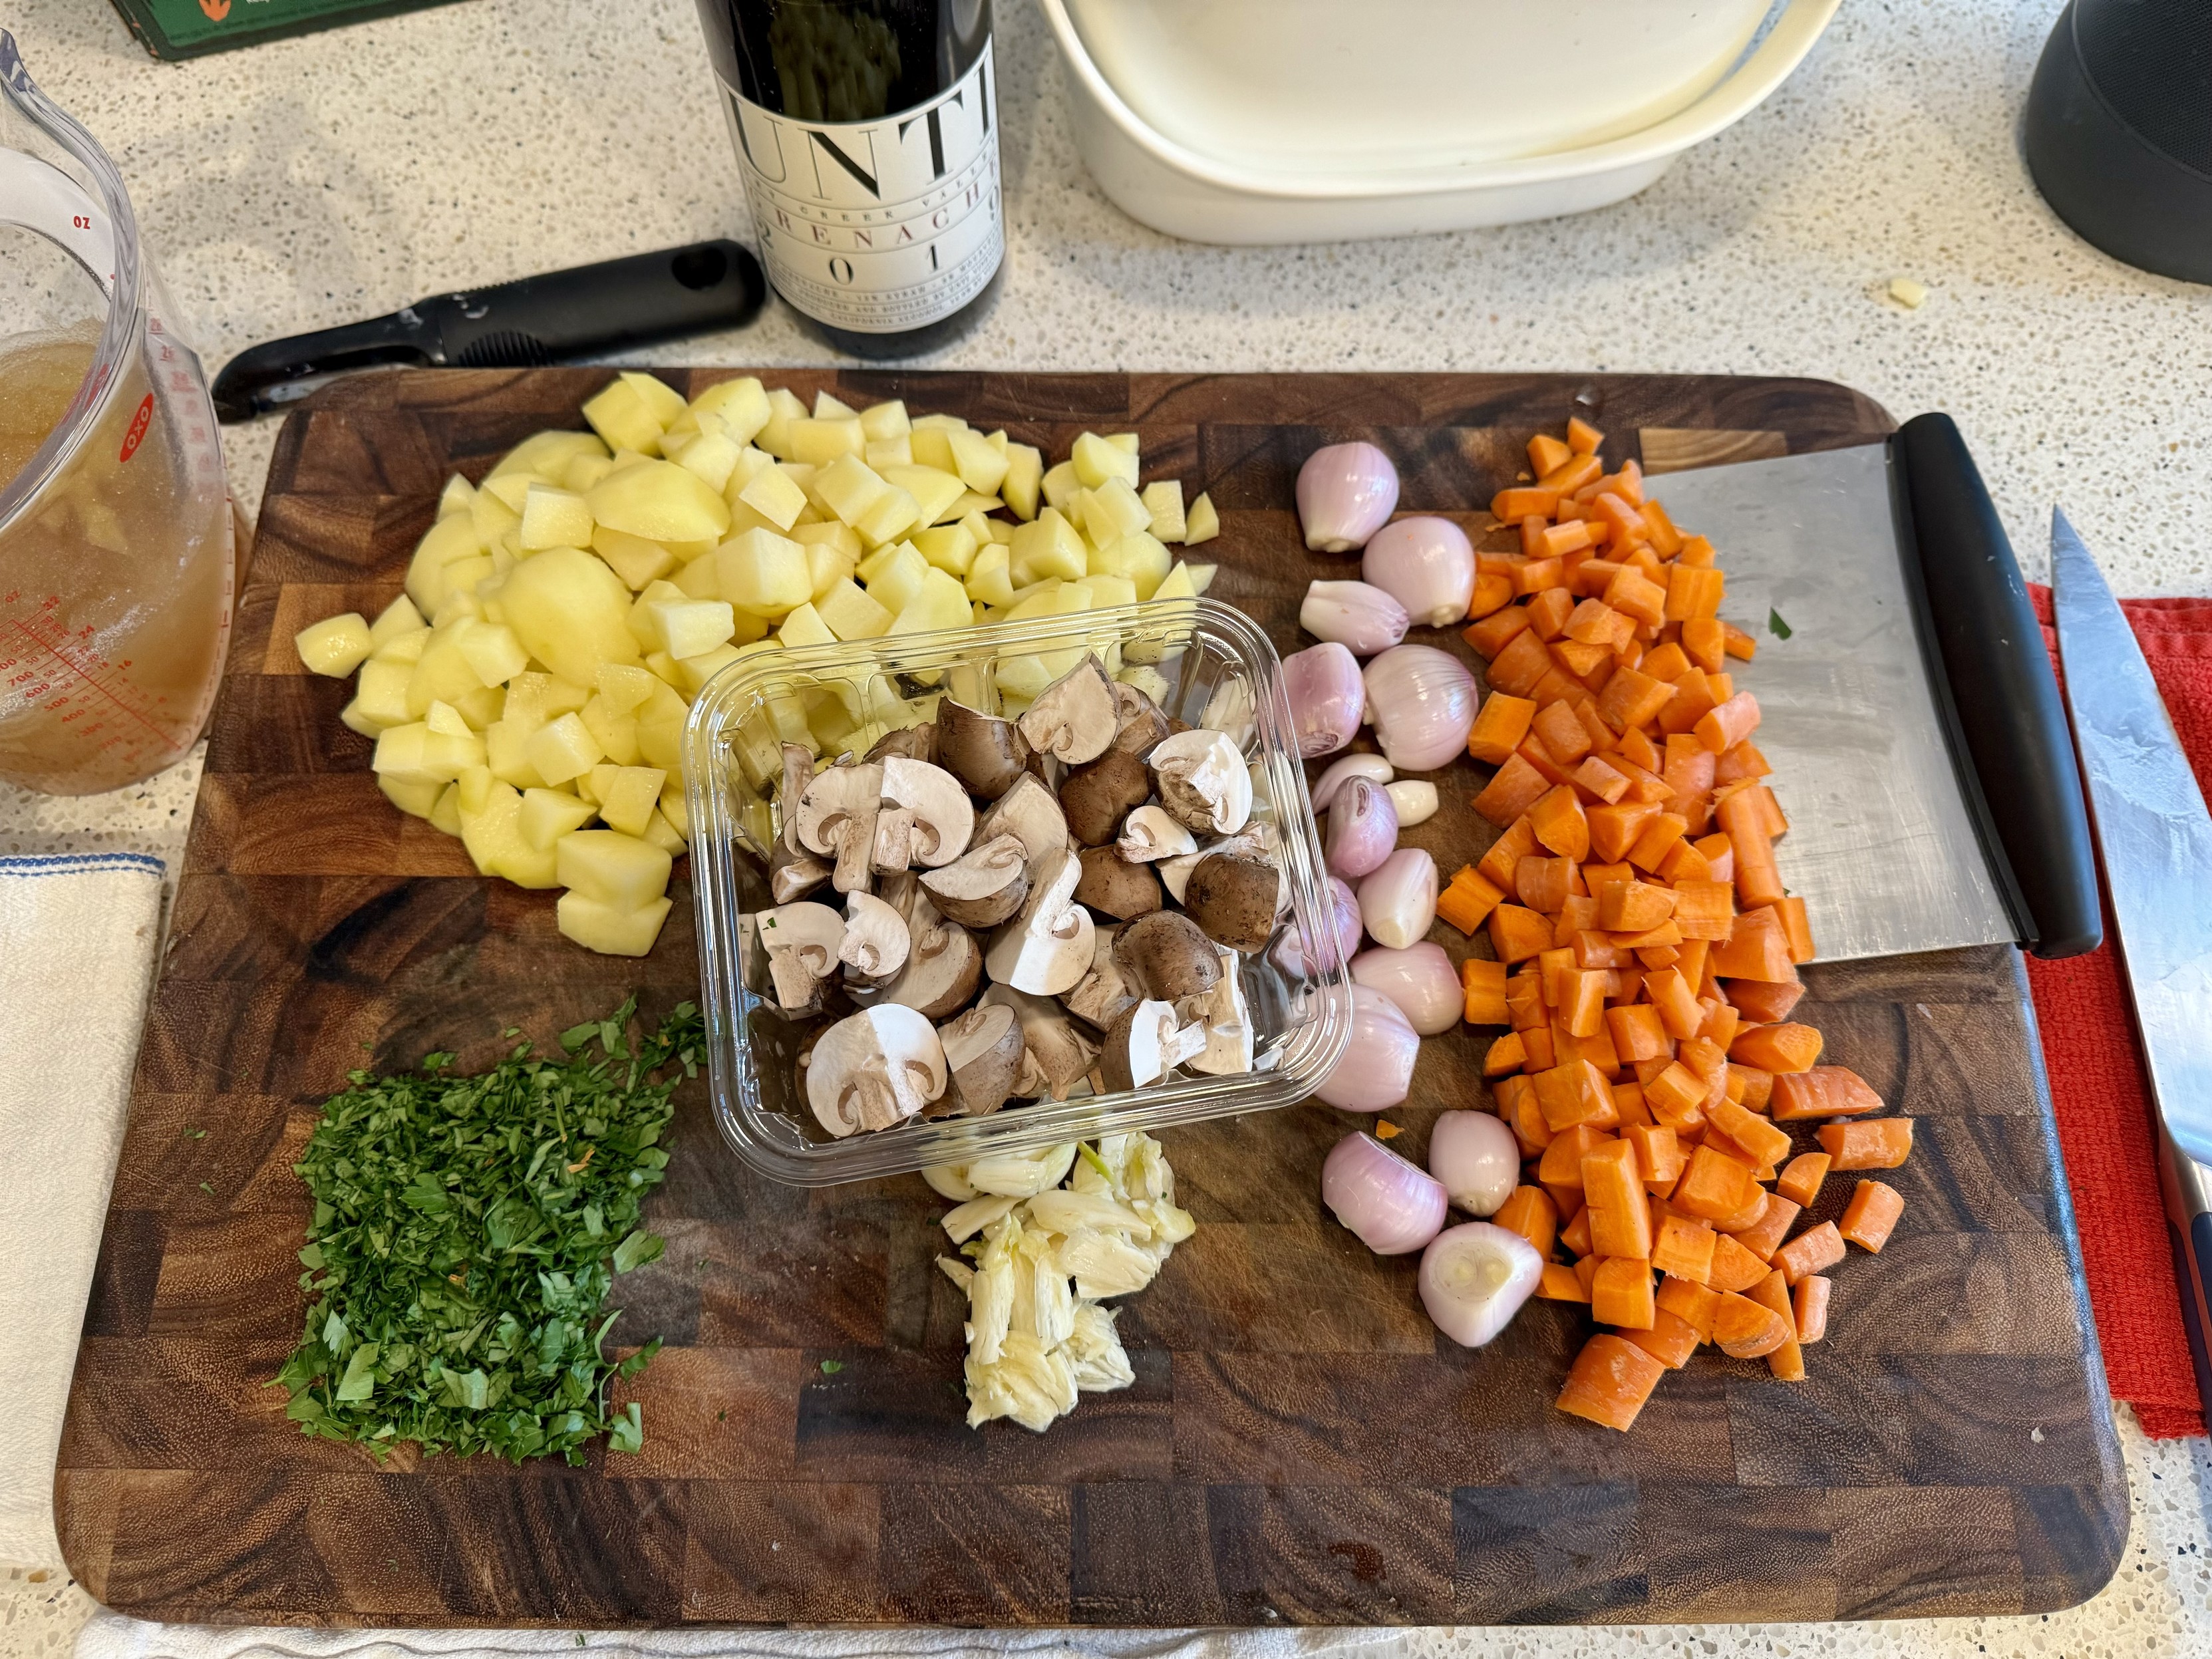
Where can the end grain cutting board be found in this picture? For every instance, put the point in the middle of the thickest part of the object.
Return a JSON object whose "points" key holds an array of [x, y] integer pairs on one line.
{"points": [[1300, 1445]]}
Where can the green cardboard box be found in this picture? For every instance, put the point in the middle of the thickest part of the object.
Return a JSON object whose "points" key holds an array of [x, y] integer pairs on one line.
{"points": [[186, 28]]}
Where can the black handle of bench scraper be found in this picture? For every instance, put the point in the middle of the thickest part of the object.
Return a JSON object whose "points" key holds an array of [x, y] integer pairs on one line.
{"points": [[1996, 690]]}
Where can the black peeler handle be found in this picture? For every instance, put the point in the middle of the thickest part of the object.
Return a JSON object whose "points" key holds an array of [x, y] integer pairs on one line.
{"points": [[591, 311], [1995, 689]]}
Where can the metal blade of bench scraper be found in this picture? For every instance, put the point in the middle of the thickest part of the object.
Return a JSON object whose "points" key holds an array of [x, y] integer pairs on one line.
{"points": [[1881, 844]]}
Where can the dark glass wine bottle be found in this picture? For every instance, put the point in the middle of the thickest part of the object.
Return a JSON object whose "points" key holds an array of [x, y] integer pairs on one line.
{"points": [[867, 133]]}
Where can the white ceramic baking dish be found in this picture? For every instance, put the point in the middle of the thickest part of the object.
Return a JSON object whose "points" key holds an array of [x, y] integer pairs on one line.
{"points": [[1263, 121]]}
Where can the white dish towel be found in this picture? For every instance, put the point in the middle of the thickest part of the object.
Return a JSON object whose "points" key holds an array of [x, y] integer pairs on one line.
{"points": [[77, 935]]}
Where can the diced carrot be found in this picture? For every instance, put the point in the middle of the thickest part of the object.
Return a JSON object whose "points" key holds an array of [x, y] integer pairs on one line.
{"points": [[1561, 731], [1729, 724], [1872, 1214], [1684, 863], [1694, 1304], [1704, 909], [1631, 698], [1628, 1101], [1602, 781], [1585, 1270], [1633, 906], [1627, 523], [1497, 866], [1677, 1003], [1516, 786], [1703, 643], [1750, 1087], [1621, 1294], [1499, 725], [1659, 1154], [1557, 819], [1575, 1093], [1612, 1178], [1536, 1042], [1672, 1339], [1539, 760], [1539, 576], [1675, 1097], [1561, 539], [1800, 1181], [1467, 899], [1764, 1237], [1583, 438], [1719, 854], [1496, 631], [1714, 1187], [1784, 1048], [1521, 661], [1657, 841], [1747, 1329], [1733, 1267], [1809, 1306], [1491, 594], [1635, 596], [1786, 1361], [1684, 1247], [1763, 1002], [1695, 697], [1743, 761], [1613, 829], [1511, 505], [1666, 539], [1628, 483], [1516, 1104], [1636, 1032], [1582, 1010], [1709, 1064], [1596, 622], [1824, 1091], [1575, 1237], [1796, 927], [1482, 989], [1548, 611], [1755, 949], [1560, 1283], [1814, 1250], [1693, 591], [1764, 1142], [1697, 552], [1529, 1211], [1882, 1143], [1562, 1163], [1609, 1381], [1506, 1053], [1544, 884], [1547, 454]]}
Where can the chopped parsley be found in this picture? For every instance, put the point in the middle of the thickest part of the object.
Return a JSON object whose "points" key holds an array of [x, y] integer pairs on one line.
{"points": [[1776, 626]]}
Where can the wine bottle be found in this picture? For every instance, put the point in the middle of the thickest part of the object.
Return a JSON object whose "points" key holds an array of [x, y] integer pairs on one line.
{"points": [[868, 134]]}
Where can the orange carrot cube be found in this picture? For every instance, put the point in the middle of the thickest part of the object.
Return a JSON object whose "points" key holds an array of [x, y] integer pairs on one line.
{"points": [[1621, 1294], [1814, 1250], [1872, 1214], [1529, 1211], [1684, 1247], [1822, 1091], [1809, 1305], [1882, 1143], [1609, 1381]]}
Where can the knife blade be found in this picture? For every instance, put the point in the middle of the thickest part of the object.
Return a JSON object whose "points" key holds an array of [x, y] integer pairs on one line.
{"points": [[2155, 838]]}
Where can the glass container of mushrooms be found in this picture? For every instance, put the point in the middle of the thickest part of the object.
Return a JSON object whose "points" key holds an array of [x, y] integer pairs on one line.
{"points": [[973, 892]]}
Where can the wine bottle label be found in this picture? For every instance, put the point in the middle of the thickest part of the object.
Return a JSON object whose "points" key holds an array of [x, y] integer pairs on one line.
{"points": [[878, 227]]}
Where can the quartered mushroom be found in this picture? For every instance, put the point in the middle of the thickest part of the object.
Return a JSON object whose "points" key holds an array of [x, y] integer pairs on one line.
{"points": [[1115, 887], [943, 817], [983, 1051], [1149, 834], [1046, 949], [1096, 796], [1139, 722], [798, 773], [1105, 991], [1226, 1020], [876, 943], [1056, 1055], [913, 743], [987, 754], [1027, 810], [1147, 1043], [985, 884], [1232, 898], [943, 968], [874, 1070], [1203, 780], [1167, 955], [1074, 719], [893, 848], [837, 821], [792, 875], [801, 941]]}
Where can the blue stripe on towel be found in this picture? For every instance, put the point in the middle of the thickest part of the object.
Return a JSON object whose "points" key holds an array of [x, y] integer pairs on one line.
{"points": [[71, 863]]}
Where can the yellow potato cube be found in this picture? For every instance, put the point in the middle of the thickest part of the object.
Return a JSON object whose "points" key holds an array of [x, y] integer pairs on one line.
{"points": [[616, 734], [774, 436], [481, 706], [1047, 547], [570, 611], [633, 558], [1164, 500], [445, 816], [739, 407], [612, 868], [563, 749], [817, 441], [623, 689], [886, 420], [538, 697], [448, 542], [585, 471], [710, 458], [1096, 460], [890, 519], [511, 488], [771, 493], [804, 626], [693, 672], [828, 406], [942, 603], [490, 518], [1202, 523], [827, 566], [455, 496], [839, 538], [1201, 576], [851, 614], [675, 808], [1111, 512], [546, 454], [701, 578], [549, 814], [606, 929], [664, 400], [335, 646], [897, 580], [660, 502], [442, 674], [554, 518], [764, 573], [849, 488], [445, 719], [1059, 485], [888, 452], [398, 617], [948, 547], [980, 463], [664, 835], [418, 799], [492, 832], [381, 695], [1109, 591], [1140, 557], [628, 797], [989, 581], [507, 744], [493, 652], [688, 628], [1024, 480], [935, 491]]}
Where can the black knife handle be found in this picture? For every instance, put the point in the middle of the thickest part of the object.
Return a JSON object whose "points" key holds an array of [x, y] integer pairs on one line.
{"points": [[1996, 691], [596, 311]]}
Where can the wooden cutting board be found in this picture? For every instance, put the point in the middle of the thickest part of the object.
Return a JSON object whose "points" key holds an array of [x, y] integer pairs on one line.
{"points": [[1300, 1446]]}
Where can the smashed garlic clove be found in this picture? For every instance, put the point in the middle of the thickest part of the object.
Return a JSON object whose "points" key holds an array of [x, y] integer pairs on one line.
{"points": [[1100, 1362], [1103, 1264], [1033, 1385], [1023, 1174], [964, 1223], [1062, 1211], [959, 1272]]}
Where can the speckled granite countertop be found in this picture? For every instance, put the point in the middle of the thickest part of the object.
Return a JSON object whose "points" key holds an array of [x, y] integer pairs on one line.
{"points": [[316, 180]]}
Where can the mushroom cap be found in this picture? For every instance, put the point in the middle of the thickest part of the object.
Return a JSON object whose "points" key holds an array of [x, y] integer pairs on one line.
{"points": [[1074, 719], [914, 743], [986, 753], [812, 933], [943, 816], [877, 942], [1098, 795], [1046, 949], [1058, 1053], [985, 884], [1145, 1044], [1029, 811], [1115, 887], [1139, 722], [1167, 955], [831, 798], [942, 969], [1150, 834], [874, 1070], [1233, 899], [983, 1049], [1203, 780], [1105, 991]]}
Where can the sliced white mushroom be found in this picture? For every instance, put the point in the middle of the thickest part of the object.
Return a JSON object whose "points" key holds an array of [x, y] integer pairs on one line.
{"points": [[1222, 1014], [1055, 1054], [1147, 1043], [831, 799], [877, 942], [985, 884], [1203, 780], [1074, 718], [943, 818], [1046, 949], [1149, 834], [984, 752], [1029, 811], [893, 847], [874, 1070], [983, 1050], [943, 968], [802, 941]]}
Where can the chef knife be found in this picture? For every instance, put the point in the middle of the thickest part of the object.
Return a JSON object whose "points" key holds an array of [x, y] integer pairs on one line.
{"points": [[2156, 840], [1909, 710], [591, 311]]}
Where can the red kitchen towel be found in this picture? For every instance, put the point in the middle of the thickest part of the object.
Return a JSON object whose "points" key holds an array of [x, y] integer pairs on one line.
{"points": [[2099, 1091]]}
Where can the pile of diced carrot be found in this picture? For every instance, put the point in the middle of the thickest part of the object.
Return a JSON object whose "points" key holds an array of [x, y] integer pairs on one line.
{"points": [[1647, 951]]}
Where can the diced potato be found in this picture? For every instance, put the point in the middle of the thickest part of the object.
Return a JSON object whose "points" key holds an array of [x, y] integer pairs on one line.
{"points": [[1048, 547], [664, 400], [545, 455], [1201, 576], [701, 578], [941, 603], [633, 558], [772, 493], [616, 734], [818, 441], [445, 719], [694, 671], [481, 706], [1140, 557], [851, 614], [445, 816], [1096, 460], [849, 487], [335, 646], [494, 653], [740, 407], [1164, 500], [554, 518], [510, 488], [1150, 681], [931, 440], [455, 496], [827, 565], [1128, 442], [660, 502], [442, 674], [380, 695], [949, 547], [676, 808], [898, 580], [980, 463], [492, 831], [447, 542], [473, 790], [1111, 512], [585, 471], [490, 518], [988, 578], [1201, 524], [1024, 480], [612, 868], [505, 753], [710, 457], [570, 610], [398, 617], [935, 491], [628, 797], [804, 626], [890, 519], [537, 698], [609, 931], [1109, 590], [664, 835], [764, 573], [839, 538], [686, 627], [774, 436], [1059, 485], [888, 452], [416, 798], [828, 406], [549, 814], [886, 420], [563, 749], [622, 688], [1176, 584]]}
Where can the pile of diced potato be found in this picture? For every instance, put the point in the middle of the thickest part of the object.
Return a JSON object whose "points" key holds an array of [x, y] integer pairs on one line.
{"points": [[560, 617]]}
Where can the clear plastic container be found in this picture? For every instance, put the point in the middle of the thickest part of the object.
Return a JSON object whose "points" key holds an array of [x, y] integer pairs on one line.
{"points": [[1212, 657]]}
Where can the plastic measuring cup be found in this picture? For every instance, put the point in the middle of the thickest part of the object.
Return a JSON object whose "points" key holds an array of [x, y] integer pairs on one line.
{"points": [[115, 529]]}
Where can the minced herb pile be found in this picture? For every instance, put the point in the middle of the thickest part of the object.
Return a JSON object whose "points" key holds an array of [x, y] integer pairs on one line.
{"points": [[465, 1233]]}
